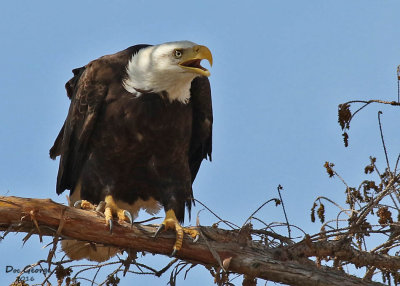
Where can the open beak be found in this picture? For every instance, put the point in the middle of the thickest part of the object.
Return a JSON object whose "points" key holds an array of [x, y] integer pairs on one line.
{"points": [[192, 57]]}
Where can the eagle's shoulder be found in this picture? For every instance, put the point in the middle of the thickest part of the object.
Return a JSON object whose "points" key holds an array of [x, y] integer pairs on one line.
{"points": [[109, 68]]}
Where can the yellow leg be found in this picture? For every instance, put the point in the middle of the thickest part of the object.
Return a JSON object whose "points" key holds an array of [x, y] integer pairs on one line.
{"points": [[112, 208], [171, 222]]}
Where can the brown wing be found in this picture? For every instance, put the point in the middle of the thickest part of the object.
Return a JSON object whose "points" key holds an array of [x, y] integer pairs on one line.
{"points": [[87, 91], [71, 87], [87, 96], [201, 142]]}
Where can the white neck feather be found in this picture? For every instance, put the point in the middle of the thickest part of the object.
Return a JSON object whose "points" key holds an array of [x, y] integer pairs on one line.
{"points": [[148, 72]]}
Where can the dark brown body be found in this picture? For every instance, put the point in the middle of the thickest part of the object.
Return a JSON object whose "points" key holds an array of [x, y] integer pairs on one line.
{"points": [[132, 147]]}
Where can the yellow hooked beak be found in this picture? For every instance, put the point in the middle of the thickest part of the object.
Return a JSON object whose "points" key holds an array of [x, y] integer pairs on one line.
{"points": [[192, 57]]}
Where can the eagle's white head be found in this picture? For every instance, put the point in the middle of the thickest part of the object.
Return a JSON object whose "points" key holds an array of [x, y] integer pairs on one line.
{"points": [[169, 67]]}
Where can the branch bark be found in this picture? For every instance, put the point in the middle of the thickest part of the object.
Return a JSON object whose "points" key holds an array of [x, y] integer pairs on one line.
{"points": [[244, 256]]}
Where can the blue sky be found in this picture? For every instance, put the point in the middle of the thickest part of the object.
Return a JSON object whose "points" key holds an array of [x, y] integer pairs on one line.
{"points": [[280, 70]]}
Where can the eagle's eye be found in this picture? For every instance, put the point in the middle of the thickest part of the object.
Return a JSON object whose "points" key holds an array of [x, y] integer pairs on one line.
{"points": [[178, 54]]}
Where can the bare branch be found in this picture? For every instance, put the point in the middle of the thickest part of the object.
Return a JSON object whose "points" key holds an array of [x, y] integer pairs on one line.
{"points": [[284, 265]]}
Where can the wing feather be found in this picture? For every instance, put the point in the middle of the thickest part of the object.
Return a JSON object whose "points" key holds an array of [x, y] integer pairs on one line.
{"points": [[201, 141], [87, 96]]}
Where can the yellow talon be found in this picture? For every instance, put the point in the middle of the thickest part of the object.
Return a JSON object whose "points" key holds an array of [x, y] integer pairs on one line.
{"points": [[112, 208], [171, 222], [84, 204], [109, 207], [192, 232]]}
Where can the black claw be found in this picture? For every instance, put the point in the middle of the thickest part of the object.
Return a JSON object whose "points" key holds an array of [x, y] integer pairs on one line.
{"points": [[78, 204], [160, 228], [111, 224], [129, 216], [173, 252], [101, 207], [196, 238]]}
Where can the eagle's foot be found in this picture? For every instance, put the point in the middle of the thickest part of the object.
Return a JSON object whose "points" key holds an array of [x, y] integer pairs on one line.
{"points": [[84, 204], [193, 233], [171, 222], [111, 208]]}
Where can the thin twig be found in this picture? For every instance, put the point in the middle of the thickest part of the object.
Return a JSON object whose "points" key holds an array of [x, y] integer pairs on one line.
{"points": [[398, 83], [284, 210], [259, 208], [162, 271], [212, 250], [383, 140], [56, 238], [226, 222], [147, 220], [397, 163], [95, 275], [332, 202]]}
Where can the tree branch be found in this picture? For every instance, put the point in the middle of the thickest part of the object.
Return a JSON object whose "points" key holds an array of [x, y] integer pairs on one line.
{"points": [[243, 256]]}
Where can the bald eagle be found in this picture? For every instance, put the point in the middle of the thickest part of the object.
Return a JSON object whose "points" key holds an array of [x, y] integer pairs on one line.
{"points": [[138, 127]]}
